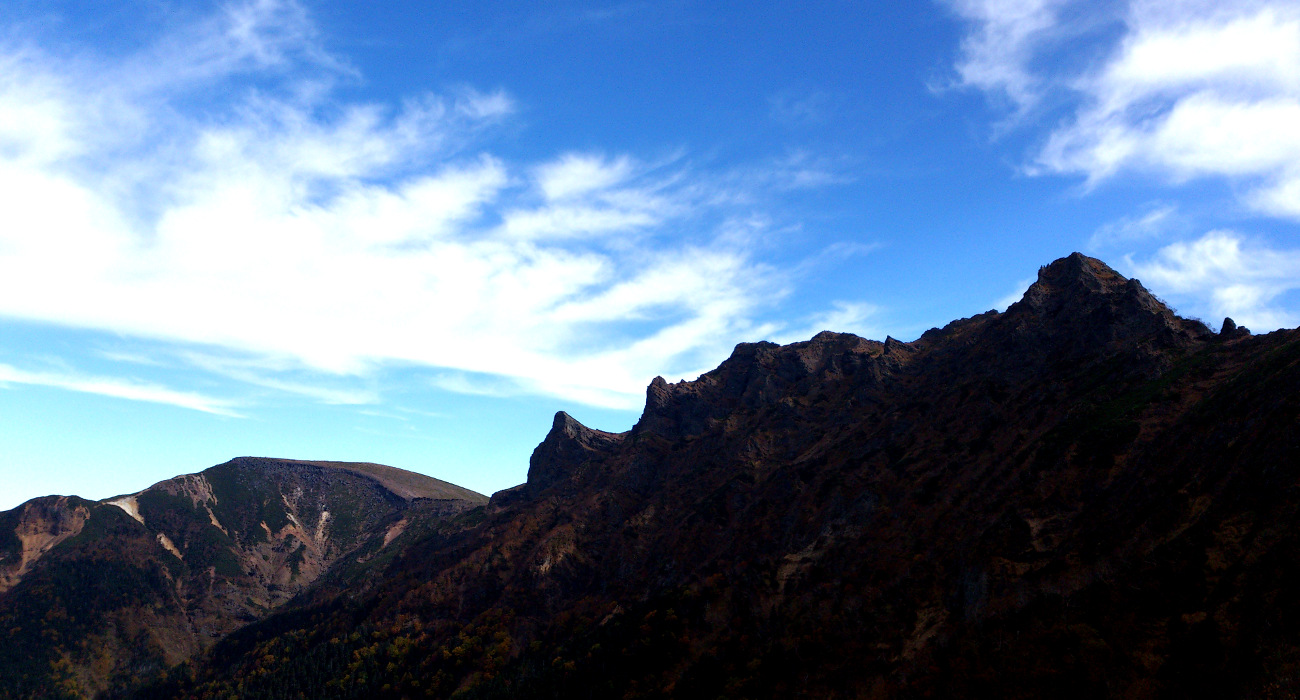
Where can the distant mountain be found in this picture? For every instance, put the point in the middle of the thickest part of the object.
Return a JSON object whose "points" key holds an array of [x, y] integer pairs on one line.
{"points": [[1083, 496], [101, 595]]}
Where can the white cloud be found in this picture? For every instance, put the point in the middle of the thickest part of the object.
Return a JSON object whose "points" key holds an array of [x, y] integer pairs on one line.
{"points": [[117, 388], [241, 37], [1222, 274], [1243, 47], [800, 110], [1190, 89], [1130, 229], [270, 373], [313, 235], [997, 53], [801, 170], [578, 174], [477, 105]]}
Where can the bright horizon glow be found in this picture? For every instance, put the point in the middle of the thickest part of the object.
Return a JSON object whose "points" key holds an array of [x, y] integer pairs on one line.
{"points": [[407, 235]]}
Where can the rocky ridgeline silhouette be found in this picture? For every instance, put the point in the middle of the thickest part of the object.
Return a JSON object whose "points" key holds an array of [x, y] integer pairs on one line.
{"points": [[1082, 496]]}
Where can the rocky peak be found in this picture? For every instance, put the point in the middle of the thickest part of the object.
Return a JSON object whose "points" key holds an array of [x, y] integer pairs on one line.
{"points": [[1078, 283], [567, 446], [1083, 305], [1077, 269]]}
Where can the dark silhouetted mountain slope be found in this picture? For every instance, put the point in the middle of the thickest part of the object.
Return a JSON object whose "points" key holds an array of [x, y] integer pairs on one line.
{"points": [[1083, 496]]}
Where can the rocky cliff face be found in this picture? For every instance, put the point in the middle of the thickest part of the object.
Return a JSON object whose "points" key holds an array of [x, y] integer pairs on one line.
{"points": [[569, 443], [33, 529], [95, 595]]}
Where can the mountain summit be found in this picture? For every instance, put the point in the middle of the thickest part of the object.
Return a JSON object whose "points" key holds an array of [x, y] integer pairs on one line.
{"points": [[1085, 301]]}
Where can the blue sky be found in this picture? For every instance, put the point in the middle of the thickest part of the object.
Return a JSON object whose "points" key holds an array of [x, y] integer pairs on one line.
{"points": [[410, 234]]}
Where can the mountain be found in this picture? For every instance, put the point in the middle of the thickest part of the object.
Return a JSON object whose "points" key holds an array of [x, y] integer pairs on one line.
{"points": [[1083, 496], [101, 595]]}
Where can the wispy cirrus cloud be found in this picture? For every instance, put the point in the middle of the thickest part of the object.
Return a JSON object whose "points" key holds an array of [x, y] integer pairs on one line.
{"points": [[119, 388], [1002, 41], [1150, 224], [801, 109], [311, 234]]}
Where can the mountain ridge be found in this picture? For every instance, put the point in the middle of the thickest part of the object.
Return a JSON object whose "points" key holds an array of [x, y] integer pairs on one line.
{"points": [[1082, 496], [1077, 497]]}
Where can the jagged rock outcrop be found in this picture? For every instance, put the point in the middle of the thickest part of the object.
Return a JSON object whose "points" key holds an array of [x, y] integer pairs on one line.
{"points": [[565, 449], [1231, 330], [757, 374]]}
